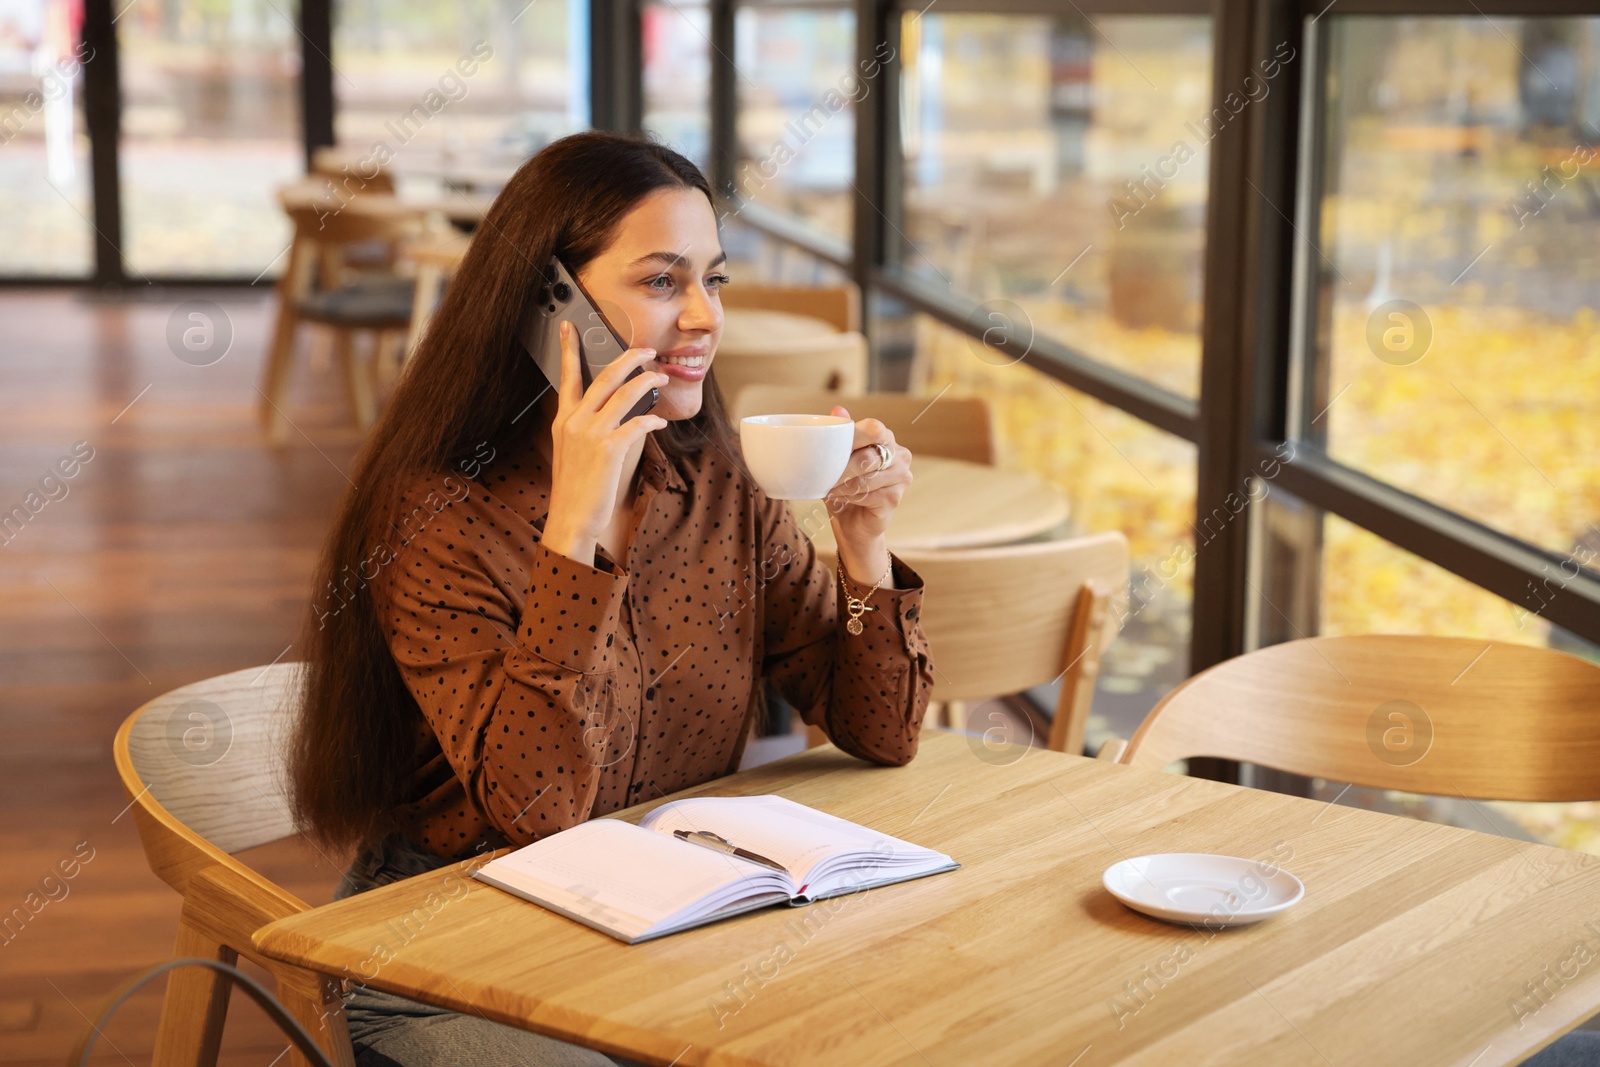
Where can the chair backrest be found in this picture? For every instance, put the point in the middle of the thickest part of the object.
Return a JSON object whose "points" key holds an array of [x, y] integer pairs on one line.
{"points": [[958, 427], [998, 619], [204, 768], [837, 304], [1449, 716], [836, 362], [325, 229]]}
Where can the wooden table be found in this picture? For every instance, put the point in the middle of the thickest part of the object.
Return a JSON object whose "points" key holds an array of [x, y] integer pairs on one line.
{"points": [[457, 207], [1411, 945], [753, 330], [955, 504]]}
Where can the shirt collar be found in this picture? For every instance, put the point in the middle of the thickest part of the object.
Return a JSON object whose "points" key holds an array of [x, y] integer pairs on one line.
{"points": [[657, 470]]}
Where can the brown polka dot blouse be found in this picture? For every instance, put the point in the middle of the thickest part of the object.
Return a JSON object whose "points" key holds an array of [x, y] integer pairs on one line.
{"points": [[557, 691]]}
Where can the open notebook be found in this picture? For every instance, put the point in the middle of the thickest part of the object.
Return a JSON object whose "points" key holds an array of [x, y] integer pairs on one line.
{"points": [[638, 882]]}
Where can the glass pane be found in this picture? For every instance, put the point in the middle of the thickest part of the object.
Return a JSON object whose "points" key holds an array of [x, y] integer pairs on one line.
{"points": [[677, 77], [1459, 356], [1061, 164], [1360, 583], [755, 257], [44, 165], [797, 85], [210, 129], [458, 94], [1119, 474]]}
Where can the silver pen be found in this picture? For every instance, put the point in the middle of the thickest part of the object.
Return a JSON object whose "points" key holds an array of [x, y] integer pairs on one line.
{"points": [[722, 844]]}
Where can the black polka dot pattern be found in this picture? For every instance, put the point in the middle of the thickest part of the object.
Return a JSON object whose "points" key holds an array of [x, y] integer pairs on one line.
{"points": [[557, 691]]}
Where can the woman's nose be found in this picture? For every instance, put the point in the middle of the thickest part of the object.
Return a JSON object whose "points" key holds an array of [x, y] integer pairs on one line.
{"points": [[701, 313]]}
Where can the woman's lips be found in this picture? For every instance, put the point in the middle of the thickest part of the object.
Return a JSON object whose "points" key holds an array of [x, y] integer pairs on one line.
{"points": [[688, 374]]}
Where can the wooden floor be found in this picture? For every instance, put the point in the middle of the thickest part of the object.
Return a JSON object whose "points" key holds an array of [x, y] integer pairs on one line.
{"points": [[182, 549]]}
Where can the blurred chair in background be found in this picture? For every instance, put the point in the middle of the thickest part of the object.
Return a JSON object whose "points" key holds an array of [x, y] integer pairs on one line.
{"points": [[833, 362], [344, 300], [1008, 618], [1004, 619], [837, 305]]}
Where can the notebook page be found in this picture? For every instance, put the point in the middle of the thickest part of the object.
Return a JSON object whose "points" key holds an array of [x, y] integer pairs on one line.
{"points": [[799, 837], [615, 875]]}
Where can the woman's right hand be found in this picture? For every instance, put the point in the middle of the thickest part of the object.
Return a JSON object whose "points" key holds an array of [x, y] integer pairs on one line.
{"points": [[590, 441]]}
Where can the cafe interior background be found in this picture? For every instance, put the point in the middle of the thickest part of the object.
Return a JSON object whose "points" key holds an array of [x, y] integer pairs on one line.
{"points": [[1165, 241]]}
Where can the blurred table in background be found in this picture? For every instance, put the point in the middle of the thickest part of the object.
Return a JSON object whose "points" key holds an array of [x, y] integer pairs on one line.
{"points": [[955, 504], [462, 208]]}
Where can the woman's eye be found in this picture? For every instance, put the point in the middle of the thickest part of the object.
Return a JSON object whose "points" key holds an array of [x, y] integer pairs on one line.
{"points": [[660, 278], [719, 280]]}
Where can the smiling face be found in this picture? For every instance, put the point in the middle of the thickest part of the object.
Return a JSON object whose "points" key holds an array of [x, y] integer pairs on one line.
{"points": [[657, 285]]}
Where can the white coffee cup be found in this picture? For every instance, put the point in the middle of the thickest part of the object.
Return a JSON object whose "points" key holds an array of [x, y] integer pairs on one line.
{"points": [[796, 457]]}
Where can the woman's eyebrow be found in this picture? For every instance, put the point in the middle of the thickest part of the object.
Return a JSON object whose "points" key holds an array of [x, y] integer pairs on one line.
{"points": [[672, 259]]}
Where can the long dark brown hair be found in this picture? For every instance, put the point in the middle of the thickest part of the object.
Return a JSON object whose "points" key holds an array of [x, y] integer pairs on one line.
{"points": [[360, 734]]}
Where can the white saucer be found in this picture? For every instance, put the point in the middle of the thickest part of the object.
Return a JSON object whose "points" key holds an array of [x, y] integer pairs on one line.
{"points": [[1198, 887]]}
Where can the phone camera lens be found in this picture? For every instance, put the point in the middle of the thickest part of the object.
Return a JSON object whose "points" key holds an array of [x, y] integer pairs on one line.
{"points": [[563, 292]]}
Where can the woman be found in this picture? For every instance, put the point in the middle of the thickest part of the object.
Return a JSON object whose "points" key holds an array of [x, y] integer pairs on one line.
{"points": [[537, 612]]}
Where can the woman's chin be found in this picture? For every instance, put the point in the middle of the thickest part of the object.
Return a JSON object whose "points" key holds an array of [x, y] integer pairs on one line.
{"points": [[679, 401]]}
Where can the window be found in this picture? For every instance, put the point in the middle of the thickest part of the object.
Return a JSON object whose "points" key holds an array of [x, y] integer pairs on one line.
{"points": [[797, 85], [210, 129], [676, 45], [458, 94], [1458, 258], [44, 148], [1061, 164]]}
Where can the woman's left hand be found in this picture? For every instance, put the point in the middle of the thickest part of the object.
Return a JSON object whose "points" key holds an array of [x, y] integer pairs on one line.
{"points": [[864, 499]]}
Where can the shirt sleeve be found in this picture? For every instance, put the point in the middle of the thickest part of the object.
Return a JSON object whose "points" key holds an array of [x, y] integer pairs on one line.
{"points": [[517, 685], [868, 691]]}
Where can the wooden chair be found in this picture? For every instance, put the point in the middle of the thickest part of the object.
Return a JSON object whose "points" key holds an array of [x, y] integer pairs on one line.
{"points": [[1448, 716], [203, 769], [835, 363], [436, 256], [1003, 619], [344, 303], [836, 304], [956, 427]]}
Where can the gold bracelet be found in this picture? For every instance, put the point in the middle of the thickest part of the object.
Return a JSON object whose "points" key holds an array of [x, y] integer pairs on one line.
{"points": [[857, 606]]}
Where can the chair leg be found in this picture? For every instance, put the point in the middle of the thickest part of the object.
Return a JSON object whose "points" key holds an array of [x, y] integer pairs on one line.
{"points": [[357, 379], [430, 279], [389, 356], [195, 1006], [1085, 641], [955, 714], [315, 1003], [280, 357]]}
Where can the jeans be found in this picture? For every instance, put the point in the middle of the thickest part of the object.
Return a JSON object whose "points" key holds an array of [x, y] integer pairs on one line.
{"points": [[1581, 1048], [387, 1030]]}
